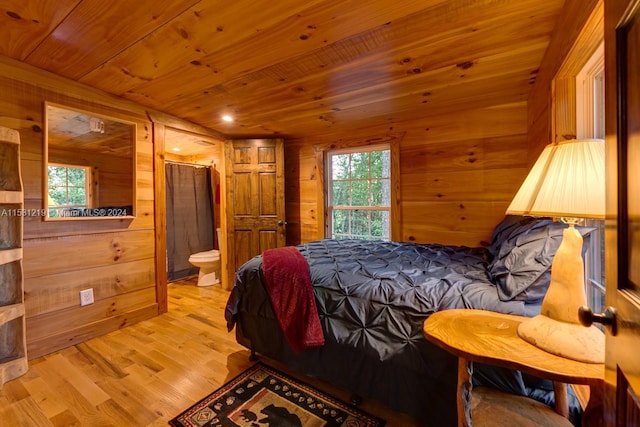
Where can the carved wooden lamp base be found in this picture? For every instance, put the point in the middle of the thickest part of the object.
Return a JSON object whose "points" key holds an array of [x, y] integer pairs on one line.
{"points": [[573, 341], [557, 328]]}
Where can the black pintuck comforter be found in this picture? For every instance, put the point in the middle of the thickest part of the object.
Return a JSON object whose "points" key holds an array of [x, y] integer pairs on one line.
{"points": [[372, 299]]}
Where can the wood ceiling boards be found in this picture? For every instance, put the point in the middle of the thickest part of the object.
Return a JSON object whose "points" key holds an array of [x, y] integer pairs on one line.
{"points": [[288, 67]]}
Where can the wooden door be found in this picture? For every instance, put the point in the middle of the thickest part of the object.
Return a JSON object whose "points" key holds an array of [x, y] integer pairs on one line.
{"points": [[622, 392], [255, 199]]}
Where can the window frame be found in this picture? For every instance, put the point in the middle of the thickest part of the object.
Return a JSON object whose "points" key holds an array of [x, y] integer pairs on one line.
{"points": [[330, 207], [587, 97], [395, 214], [87, 187], [590, 124]]}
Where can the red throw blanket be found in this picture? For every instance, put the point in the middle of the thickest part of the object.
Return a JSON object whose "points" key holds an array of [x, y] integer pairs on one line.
{"points": [[288, 280]]}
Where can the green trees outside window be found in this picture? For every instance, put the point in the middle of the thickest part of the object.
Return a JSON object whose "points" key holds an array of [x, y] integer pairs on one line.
{"points": [[66, 188], [359, 199]]}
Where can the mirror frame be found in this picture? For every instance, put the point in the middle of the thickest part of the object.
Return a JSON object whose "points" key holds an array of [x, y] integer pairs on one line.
{"points": [[114, 213]]}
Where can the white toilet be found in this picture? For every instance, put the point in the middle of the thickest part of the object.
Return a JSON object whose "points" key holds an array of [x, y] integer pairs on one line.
{"points": [[209, 264]]}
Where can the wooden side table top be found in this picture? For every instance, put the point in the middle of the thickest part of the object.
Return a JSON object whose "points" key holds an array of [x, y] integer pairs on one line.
{"points": [[492, 338]]}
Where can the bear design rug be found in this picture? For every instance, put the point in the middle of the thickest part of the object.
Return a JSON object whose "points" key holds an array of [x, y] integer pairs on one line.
{"points": [[262, 396]]}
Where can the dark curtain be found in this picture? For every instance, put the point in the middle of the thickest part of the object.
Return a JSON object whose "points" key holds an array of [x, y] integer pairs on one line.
{"points": [[189, 216]]}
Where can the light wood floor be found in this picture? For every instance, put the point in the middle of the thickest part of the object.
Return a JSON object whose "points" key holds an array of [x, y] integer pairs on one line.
{"points": [[144, 374]]}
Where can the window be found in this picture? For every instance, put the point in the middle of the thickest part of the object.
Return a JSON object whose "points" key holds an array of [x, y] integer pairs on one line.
{"points": [[590, 97], [67, 188], [359, 193], [590, 124]]}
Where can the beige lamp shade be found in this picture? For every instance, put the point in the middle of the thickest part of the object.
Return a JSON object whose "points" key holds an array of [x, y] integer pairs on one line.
{"points": [[567, 180]]}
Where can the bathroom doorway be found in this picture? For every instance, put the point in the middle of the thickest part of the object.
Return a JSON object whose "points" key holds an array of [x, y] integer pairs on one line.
{"points": [[192, 198], [190, 221]]}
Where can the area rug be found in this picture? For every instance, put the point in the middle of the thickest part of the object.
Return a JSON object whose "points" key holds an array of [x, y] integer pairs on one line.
{"points": [[263, 396]]}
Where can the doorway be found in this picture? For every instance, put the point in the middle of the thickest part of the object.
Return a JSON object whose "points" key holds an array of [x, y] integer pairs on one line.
{"points": [[190, 220], [192, 198]]}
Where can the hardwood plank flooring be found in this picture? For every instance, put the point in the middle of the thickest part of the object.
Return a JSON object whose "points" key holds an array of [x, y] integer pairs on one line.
{"points": [[146, 373]]}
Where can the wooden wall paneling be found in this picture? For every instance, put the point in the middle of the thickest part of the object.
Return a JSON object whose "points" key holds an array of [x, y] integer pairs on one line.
{"points": [[53, 323], [160, 202], [460, 222], [223, 243], [320, 193], [563, 109], [486, 185], [113, 256], [564, 85], [45, 256], [24, 105], [300, 189], [474, 159], [470, 154], [473, 124], [53, 292], [25, 88], [574, 15], [305, 187], [589, 38], [145, 187], [302, 218]]}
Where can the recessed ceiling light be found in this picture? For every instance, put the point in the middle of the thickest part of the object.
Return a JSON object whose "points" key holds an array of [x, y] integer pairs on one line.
{"points": [[227, 118], [176, 148]]}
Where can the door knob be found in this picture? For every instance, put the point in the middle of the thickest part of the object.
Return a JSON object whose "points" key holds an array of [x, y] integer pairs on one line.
{"points": [[282, 222], [608, 318]]}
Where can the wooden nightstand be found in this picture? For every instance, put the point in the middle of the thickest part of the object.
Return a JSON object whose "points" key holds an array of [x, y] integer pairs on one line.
{"points": [[491, 338]]}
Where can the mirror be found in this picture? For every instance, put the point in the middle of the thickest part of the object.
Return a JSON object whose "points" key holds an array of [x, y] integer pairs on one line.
{"points": [[89, 165]]}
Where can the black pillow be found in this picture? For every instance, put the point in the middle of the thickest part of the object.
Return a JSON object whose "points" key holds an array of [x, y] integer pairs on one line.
{"points": [[523, 249]]}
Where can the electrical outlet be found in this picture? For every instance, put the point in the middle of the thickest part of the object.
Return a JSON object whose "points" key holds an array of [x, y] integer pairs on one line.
{"points": [[86, 296]]}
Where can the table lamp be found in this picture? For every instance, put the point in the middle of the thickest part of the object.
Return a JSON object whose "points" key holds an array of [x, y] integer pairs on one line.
{"points": [[567, 181]]}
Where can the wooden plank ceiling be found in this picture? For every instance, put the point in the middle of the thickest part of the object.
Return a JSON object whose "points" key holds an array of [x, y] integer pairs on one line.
{"points": [[289, 67]]}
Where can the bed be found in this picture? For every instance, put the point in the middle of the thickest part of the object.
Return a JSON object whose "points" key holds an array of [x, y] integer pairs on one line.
{"points": [[372, 298]]}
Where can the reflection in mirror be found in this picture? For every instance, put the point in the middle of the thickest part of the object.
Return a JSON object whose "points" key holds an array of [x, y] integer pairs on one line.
{"points": [[89, 165]]}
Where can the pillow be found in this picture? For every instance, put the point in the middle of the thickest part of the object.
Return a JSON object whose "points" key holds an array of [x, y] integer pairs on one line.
{"points": [[505, 228], [523, 249]]}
